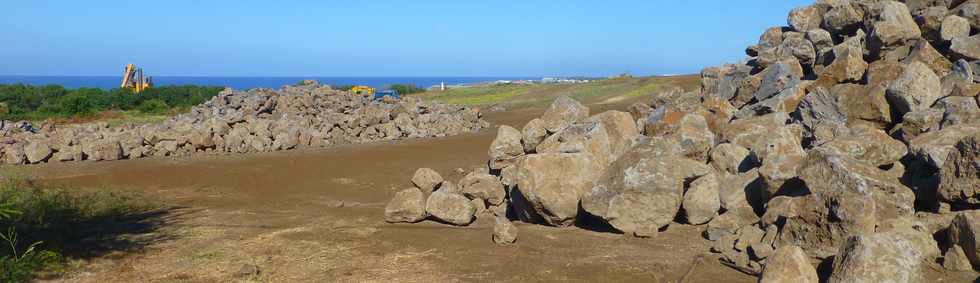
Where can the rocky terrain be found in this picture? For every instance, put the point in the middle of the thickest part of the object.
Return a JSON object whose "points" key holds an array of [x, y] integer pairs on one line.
{"points": [[846, 148], [257, 120]]}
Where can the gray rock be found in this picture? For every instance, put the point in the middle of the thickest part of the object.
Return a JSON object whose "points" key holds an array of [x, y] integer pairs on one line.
{"points": [[916, 89], [954, 27], [534, 133], [965, 48], [733, 159], [483, 186], [878, 257], [702, 201], [506, 148], [960, 175], [563, 112]]}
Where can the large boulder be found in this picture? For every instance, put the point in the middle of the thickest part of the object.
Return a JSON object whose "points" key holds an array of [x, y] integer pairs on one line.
{"points": [[506, 148], [932, 148], [532, 134], [878, 257], [789, 264], [553, 184], [806, 18], [450, 207], [916, 89], [642, 191], [967, 47], [732, 159], [868, 144], [407, 206], [892, 25], [504, 232], [563, 112], [702, 200], [964, 231], [960, 175], [37, 152]]}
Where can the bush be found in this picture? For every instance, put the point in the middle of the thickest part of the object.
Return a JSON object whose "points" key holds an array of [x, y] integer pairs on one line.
{"points": [[40, 224], [41, 102], [406, 88]]}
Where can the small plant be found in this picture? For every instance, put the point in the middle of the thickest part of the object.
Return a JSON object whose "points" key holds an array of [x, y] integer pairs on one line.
{"points": [[21, 266]]}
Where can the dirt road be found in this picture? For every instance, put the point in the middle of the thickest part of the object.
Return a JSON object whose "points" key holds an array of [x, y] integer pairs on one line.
{"points": [[316, 215]]}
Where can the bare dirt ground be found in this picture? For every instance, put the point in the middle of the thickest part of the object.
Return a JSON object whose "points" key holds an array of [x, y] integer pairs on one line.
{"points": [[316, 216]]}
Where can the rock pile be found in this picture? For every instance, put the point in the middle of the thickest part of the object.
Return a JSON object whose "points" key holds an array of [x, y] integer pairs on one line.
{"points": [[849, 139], [257, 120]]}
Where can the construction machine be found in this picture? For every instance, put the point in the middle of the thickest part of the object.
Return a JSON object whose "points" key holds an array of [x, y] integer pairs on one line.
{"points": [[362, 90], [134, 79]]}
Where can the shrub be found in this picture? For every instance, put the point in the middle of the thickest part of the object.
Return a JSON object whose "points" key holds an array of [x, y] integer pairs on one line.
{"points": [[41, 102], [407, 88], [153, 106], [40, 224]]}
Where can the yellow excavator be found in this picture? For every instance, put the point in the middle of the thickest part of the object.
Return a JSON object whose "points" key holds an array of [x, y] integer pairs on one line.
{"points": [[362, 90], [134, 79]]}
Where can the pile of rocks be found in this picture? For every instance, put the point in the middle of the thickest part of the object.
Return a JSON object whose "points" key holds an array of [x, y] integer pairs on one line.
{"points": [[257, 120], [850, 138]]}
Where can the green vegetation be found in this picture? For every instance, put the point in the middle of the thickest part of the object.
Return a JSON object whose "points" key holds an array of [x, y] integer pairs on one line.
{"points": [[405, 89], [542, 94], [42, 226], [25, 102]]}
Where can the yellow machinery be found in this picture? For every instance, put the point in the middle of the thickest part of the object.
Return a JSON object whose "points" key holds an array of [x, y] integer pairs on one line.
{"points": [[362, 90], [134, 79]]}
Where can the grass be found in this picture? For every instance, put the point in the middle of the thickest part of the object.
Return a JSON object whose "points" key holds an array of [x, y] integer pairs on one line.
{"points": [[535, 95], [44, 227]]}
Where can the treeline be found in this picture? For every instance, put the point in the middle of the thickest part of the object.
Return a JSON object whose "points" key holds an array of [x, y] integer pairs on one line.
{"points": [[27, 102]]}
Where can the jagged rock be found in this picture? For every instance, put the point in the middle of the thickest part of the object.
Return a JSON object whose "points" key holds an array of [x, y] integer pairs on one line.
{"points": [[702, 202], [917, 122], [407, 206], [733, 159], [842, 17], [956, 260], [932, 148], [450, 207], [777, 78], [960, 174], [37, 152], [553, 184], [504, 232], [742, 190], [916, 89], [748, 236], [966, 48], [781, 155], [506, 148], [483, 186], [868, 144], [804, 19], [563, 112], [878, 257], [427, 180], [789, 264], [647, 177], [863, 104], [892, 25], [108, 149], [959, 110], [14, 154], [923, 52], [621, 129], [533, 134]]}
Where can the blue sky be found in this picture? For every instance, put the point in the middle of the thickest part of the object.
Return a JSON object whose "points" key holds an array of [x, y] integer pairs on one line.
{"points": [[380, 38]]}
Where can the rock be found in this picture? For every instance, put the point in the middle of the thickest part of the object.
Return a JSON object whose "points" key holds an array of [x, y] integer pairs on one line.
{"points": [[563, 112], [742, 190], [748, 236], [483, 186], [450, 207], [868, 144], [891, 26], [842, 17], [504, 232], [733, 159], [923, 52], [965, 48], [956, 260], [108, 149], [427, 180], [37, 152], [590, 137], [863, 104], [918, 122], [637, 193], [533, 134], [805, 18], [959, 110], [789, 264], [878, 257], [553, 184], [960, 175], [506, 148], [702, 202], [916, 89], [730, 221], [954, 27], [777, 78], [407, 206], [14, 154], [694, 136], [781, 155], [963, 232], [620, 127], [932, 148]]}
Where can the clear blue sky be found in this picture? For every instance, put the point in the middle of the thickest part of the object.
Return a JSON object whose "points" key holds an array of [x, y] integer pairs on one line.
{"points": [[380, 38]]}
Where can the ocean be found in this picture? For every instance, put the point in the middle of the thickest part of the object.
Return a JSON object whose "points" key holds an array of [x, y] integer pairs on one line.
{"points": [[109, 82]]}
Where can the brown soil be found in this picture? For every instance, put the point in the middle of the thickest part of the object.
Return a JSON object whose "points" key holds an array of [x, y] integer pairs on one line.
{"points": [[316, 215]]}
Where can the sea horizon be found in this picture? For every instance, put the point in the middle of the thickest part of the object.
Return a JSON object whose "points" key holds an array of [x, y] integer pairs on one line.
{"points": [[249, 82]]}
